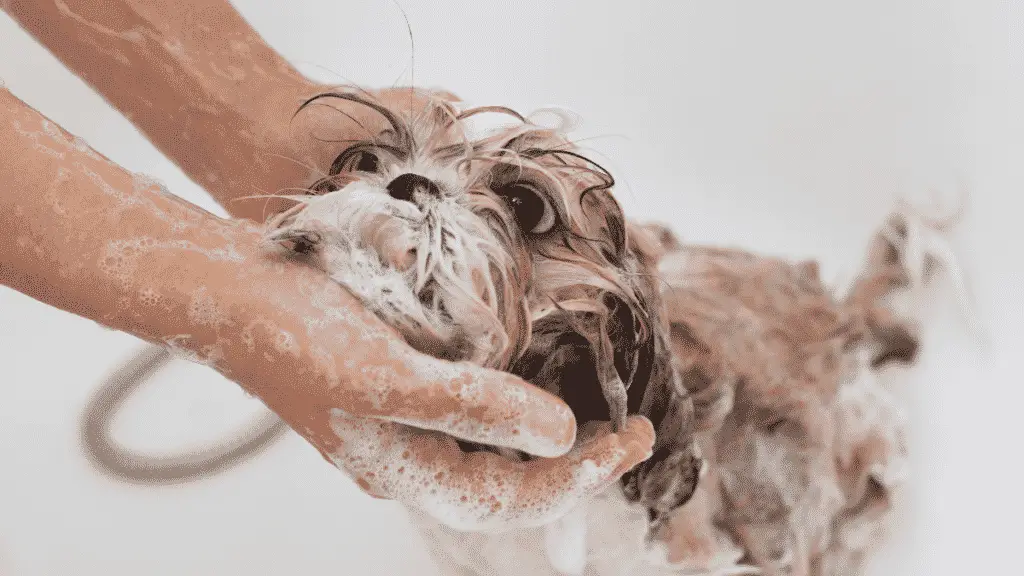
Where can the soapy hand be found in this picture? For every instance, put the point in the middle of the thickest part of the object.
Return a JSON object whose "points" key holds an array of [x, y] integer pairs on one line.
{"points": [[394, 415], [482, 490]]}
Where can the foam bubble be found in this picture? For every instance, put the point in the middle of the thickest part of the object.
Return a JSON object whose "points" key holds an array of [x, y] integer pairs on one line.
{"points": [[149, 296], [204, 310], [286, 343]]}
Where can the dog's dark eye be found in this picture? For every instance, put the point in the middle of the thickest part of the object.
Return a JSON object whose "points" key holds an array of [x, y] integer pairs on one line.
{"points": [[531, 210], [367, 162], [356, 161]]}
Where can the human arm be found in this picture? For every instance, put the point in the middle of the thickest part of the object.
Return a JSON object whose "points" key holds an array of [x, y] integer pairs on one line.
{"points": [[197, 81], [81, 234]]}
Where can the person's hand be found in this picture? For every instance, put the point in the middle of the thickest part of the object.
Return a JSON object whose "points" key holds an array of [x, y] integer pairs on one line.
{"points": [[389, 416], [482, 490], [80, 233]]}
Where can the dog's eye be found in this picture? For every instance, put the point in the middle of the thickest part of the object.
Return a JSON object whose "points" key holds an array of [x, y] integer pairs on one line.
{"points": [[530, 208], [356, 161], [367, 162]]}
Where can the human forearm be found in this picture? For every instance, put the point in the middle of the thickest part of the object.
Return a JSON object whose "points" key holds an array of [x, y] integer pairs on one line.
{"points": [[196, 79], [81, 234]]}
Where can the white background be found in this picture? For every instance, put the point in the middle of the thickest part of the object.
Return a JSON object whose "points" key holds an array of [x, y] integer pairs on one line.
{"points": [[785, 126]]}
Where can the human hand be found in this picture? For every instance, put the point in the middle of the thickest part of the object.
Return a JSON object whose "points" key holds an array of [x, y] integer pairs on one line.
{"points": [[391, 415]]}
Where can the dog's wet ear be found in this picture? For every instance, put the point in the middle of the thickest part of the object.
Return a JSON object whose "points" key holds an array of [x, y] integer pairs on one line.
{"points": [[609, 227], [655, 239], [669, 478]]}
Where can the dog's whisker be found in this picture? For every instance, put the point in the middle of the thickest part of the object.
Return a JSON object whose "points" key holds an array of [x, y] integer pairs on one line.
{"points": [[347, 115], [400, 131], [297, 162], [346, 81], [412, 53], [282, 196], [466, 114], [574, 143]]}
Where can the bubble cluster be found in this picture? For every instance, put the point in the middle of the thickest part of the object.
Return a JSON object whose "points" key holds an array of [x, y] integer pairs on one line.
{"points": [[247, 338], [388, 459], [144, 182], [123, 198], [205, 310], [286, 343], [79, 144], [119, 263], [149, 296]]}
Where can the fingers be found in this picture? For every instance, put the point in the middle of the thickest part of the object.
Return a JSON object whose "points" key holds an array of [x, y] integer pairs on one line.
{"points": [[482, 491], [351, 359], [477, 405]]}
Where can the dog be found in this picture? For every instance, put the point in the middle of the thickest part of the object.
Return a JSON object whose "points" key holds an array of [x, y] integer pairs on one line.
{"points": [[510, 251]]}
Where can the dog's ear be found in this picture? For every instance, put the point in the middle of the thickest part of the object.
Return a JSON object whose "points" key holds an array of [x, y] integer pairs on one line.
{"points": [[669, 478]]}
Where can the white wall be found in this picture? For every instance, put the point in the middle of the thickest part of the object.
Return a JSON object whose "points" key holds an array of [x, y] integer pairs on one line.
{"points": [[787, 126]]}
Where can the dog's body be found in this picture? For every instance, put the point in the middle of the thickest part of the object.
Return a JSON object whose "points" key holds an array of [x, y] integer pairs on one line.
{"points": [[805, 445], [776, 449]]}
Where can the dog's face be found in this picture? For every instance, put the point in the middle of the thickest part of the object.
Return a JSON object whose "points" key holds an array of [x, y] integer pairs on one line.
{"points": [[507, 250]]}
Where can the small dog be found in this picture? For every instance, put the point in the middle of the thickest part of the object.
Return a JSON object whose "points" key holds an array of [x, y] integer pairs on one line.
{"points": [[510, 251], [777, 451]]}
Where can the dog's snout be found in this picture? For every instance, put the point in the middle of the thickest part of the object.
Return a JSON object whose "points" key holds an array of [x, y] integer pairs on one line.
{"points": [[405, 187]]}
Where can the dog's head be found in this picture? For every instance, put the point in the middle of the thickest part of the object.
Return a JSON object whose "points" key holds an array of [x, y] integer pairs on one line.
{"points": [[507, 250]]}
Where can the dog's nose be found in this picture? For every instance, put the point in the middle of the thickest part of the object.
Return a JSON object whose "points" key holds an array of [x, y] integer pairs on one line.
{"points": [[405, 186]]}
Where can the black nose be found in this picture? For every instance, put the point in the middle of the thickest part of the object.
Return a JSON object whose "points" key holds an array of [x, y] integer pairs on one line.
{"points": [[403, 187]]}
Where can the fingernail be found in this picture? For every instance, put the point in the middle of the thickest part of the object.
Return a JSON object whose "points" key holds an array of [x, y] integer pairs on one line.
{"points": [[550, 430], [639, 441]]}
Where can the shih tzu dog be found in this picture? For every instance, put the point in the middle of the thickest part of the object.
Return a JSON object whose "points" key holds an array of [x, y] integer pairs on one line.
{"points": [[509, 251], [777, 448]]}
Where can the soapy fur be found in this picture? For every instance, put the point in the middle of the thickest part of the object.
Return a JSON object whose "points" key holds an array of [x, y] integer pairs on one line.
{"points": [[805, 443]]}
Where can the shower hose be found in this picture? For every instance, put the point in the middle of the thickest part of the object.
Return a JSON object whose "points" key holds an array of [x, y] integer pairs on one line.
{"points": [[135, 467]]}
